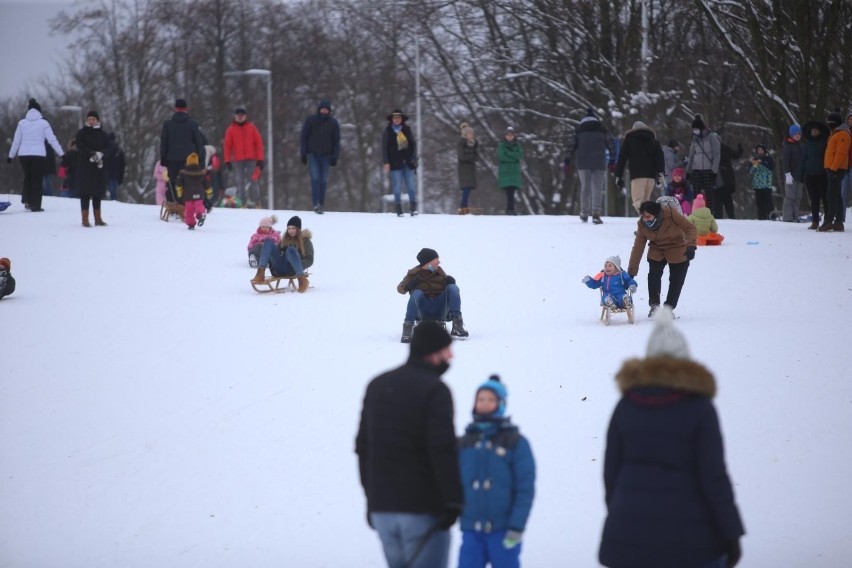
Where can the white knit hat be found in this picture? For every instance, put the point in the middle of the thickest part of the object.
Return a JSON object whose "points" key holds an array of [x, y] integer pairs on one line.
{"points": [[616, 260], [665, 340]]}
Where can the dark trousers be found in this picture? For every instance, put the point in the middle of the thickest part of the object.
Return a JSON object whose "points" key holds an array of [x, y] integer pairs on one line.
{"points": [[174, 168], [702, 182], [33, 167], [816, 184], [834, 210], [763, 199], [723, 197], [510, 199], [677, 276], [84, 203]]}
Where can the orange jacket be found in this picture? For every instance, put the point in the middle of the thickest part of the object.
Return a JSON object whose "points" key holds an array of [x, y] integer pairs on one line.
{"points": [[243, 142], [837, 151]]}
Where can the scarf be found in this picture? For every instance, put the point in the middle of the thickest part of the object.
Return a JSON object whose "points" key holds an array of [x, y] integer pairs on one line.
{"points": [[401, 140]]}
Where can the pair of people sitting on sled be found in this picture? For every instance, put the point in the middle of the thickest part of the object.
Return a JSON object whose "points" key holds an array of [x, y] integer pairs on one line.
{"points": [[289, 256], [615, 283]]}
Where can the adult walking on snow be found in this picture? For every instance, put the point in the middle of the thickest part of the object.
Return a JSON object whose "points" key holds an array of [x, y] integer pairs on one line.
{"points": [[399, 156], [510, 173], [726, 181], [816, 182], [836, 164], [592, 150], [244, 153], [28, 145], [320, 150], [702, 164], [407, 457], [792, 155], [180, 137], [642, 154], [92, 146], [467, 153]]}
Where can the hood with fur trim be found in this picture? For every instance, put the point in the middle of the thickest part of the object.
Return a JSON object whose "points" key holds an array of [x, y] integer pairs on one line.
{"points": [[667, 372]]}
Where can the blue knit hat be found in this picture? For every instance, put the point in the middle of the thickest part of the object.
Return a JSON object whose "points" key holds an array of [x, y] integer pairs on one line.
{"points": [[795, 129], [499, 389]]}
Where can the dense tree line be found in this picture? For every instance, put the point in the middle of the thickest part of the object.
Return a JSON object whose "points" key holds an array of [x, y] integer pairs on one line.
{"points": [[750, 67]]}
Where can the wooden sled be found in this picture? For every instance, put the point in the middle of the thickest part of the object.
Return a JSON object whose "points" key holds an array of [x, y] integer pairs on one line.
{"points": [[170, 208], [274, 284], [608, 311]]}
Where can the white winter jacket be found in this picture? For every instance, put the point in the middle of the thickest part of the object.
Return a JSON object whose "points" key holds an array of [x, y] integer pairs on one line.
{"points": [[31, 134]]}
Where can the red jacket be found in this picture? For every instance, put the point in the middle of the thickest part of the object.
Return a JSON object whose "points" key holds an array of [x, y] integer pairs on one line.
{"points": [[242, 142]]}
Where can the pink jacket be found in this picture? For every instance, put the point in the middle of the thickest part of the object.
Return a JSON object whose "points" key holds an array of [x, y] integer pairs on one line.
{"points": [[257, 238]]}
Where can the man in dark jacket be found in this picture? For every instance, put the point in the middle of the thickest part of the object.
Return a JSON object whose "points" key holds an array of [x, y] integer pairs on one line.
{"points": [[320, 150], [726, 181], [432, 295], [407, 456], [643, 156], [813, 172], [180, 137], [669, 499], [115, 166], [591, 150]]}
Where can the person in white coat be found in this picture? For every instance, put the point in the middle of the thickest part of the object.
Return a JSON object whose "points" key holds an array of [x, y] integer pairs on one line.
{"points": [[28, 146]]}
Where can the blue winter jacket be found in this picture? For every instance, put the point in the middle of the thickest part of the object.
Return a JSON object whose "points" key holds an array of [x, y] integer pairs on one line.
{"points": [[670, 503], [498, 476], [615, 286]]}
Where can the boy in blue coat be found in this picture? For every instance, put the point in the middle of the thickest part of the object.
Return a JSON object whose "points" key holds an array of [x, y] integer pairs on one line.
{"points": [[615, 283], [498, 476]]}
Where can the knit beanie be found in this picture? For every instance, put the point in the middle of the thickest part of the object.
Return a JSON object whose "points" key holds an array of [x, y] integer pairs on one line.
{"points": [[678, 172], [639, 124], [426, 255], [180, 104], [499, 389], [698, 202], [794, 129], [428, 337], [240, 110], [698, 122], [833, 120], [192, 159], [295, 221], [93, 113], [33, 104], [268, 221], [6, 264], [591, 112], [616, 260], [665, 340]]}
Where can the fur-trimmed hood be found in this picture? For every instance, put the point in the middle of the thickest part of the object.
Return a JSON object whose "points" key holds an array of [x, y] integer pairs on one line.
{"points": [[678, 374]]}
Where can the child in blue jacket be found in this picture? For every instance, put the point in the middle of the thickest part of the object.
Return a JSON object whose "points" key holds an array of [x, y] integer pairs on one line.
{"points": [[498, 476], [615, 283]]}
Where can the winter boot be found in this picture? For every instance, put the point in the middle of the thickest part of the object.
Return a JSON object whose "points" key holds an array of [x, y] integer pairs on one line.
{"points": [[654, 309], [826, 227], [458, 327], [837, 227], [463, 210], [407, 330], [303, 282], [584, 218], [596, 219], [814, 226], [413, 209], [399, 210], [86, 218], [260, 277], [98, 221], [201, 218], [609, 302]]}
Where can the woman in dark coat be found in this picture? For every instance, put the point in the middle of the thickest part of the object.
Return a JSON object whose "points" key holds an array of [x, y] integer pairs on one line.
{"points": [[670, 502], [92, 144], [726, 183], [468, 154]]}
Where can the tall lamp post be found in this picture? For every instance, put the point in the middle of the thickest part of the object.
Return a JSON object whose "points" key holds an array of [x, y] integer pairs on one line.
{"points": [[77, 109], [271, 161]]}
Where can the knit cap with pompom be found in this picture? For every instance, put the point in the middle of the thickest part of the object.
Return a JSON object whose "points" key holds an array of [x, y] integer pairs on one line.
{"points": [[268, 221]]}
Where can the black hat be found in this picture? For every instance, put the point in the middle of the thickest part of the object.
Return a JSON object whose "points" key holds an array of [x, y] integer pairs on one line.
{"points": [[673, 143], [93, 113], [834, 119], [426, 255], [591, 112], [240, 110], [698, 122], [429, 337], [295, 221], [33, 104], [396, 111], [180, 104], [651, 207]]}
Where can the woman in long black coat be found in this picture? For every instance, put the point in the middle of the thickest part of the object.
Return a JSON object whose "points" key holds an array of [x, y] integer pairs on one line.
{"points": [[726, 183], [669, 499], [92, 144]]}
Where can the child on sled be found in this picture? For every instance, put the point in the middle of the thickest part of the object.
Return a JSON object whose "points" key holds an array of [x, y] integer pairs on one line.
{"points": [[615, 283], [705, 224], [264, 232], [7, 282]]}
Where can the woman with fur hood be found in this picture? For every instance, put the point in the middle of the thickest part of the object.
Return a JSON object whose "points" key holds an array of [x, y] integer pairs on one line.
{"points": [[669, 499], [290, 257]]}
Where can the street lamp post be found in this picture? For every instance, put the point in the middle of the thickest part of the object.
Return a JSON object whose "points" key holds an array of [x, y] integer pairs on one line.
{"points": [[271, 161], [74, 108]]}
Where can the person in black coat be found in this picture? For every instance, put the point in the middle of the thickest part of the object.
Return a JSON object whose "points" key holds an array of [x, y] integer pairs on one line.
{"points": [[670, 503], [642, 154], [813, 168], [320, 150], [92, 145], [407, 456], [180, 137], [115, 166], [726, 183], [399, 156]]}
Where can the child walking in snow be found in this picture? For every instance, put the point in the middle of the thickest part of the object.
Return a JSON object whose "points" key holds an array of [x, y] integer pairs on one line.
{"points": [[680, 190], [498, 476], [264, 232], [762, 165], [192, 188], [705, 223], [615, 283]]}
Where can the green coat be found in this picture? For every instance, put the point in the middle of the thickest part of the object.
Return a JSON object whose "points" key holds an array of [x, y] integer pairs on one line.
{"points": [[704, 221], [509, 172]]}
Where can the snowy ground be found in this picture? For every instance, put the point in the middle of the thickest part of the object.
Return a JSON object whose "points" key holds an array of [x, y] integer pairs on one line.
{"points": [[156, 411]]}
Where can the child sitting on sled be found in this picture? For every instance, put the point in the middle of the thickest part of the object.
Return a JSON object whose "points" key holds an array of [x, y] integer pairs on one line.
{"points": [[705, 223], [615, 283], [7, 282], [264, 232]]}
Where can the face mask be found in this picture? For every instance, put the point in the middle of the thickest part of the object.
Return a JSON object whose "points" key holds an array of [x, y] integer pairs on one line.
{"points": [[696, 132], [652, 224], [430, 268], [442, 367]]}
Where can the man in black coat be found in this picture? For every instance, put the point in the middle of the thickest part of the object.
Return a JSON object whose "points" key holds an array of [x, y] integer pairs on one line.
{"points": [[320, 150], [180, 137], [407, 456], [642, 154]]}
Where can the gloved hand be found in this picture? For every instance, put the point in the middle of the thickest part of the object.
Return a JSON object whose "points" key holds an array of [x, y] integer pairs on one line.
{"points": [[632, 274], [734, 552], [660, 180], [259, 164], [332, 163], [179, 190], [619, 182], [229, 166], [8, 160], [449, 280], [611, 167], [690, 253], [566, 169], [512, 539], [163, 164], [448, 518], [688, 177], [632, 288], [304, 160], [209, 193], [412, 284], [788, 178], [586, 278], [679, 197], [413, 165]]}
